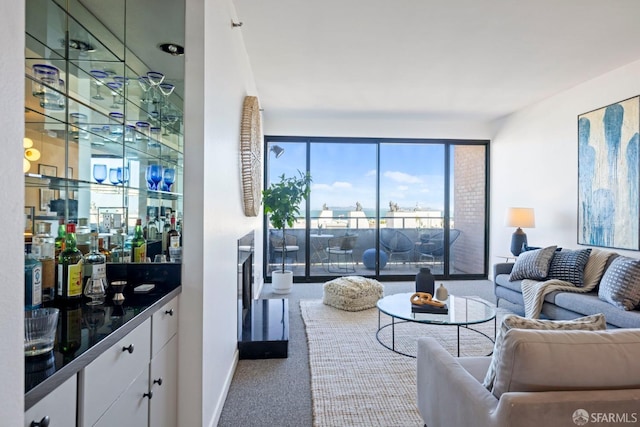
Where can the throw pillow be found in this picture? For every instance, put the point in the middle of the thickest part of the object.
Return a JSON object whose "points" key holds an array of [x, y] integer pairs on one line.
{"points": [[569, 266], [620, 284], [532, 265], [595, 322]]}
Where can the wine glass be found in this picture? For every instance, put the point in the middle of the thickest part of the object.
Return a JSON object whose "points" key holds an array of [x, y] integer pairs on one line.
{"points": [[99, 172], [145, 84], [123, 175], [155, 77], [150, 183], [113, 176], [98, 75], [168, 178], [155, 173], [115, 93]]}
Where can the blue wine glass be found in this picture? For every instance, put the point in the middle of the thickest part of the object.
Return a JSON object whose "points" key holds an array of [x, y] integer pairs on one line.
{"points": [[155, 173], [99, 172], [113, 176], [123, 175], [169, 178], [147, 176]]}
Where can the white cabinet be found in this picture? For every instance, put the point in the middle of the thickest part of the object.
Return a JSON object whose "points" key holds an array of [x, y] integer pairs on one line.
{"points": [[108, 376], [132, 407], [164, 325], [163, 405], [59, 407]]}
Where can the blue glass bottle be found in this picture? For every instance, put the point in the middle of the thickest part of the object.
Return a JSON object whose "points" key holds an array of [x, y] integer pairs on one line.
{"points": [[32, 282]]}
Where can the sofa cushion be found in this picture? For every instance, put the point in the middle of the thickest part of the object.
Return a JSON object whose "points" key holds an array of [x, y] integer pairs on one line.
{"points": [[511, 321], [620, 284], [535, 361], [585, 304], [533, 265], [568, 265]]}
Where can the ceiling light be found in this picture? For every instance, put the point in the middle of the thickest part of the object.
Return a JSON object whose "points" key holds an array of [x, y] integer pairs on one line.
{"points": [[80, 45], [32, 154], [172, 49], [27, 143]]}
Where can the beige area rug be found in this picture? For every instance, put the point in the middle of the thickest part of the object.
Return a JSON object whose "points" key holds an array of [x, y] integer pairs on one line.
{"points": [[355, 381]]}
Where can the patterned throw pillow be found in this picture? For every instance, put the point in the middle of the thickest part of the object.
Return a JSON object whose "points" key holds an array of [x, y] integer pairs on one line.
{"points": [[596, 322], [620, 284], [569, 266], [532, 265]]}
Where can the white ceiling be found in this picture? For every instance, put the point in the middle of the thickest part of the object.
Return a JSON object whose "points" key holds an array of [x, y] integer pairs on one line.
{"points": [[430, 59]]}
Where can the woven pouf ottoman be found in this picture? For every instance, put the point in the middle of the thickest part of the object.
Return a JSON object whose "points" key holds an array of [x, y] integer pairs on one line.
{"points": [[352, 293]]}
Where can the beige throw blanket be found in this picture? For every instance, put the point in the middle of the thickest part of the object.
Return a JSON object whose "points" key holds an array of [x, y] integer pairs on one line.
{"points": [[533, 291]]}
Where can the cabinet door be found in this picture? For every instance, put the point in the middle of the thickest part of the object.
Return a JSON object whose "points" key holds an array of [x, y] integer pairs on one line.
{"points": [[164, 325], [59, 406], [132, 407], [106, 378], [163, 406]]}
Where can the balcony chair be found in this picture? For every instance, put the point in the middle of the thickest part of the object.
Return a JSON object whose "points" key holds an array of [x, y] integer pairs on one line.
{"points": [[340, 254], [396, 243], [431, 245], [290, 244]]}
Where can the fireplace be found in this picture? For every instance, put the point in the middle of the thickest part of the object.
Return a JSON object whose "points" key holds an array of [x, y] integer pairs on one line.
{"points": [[263, 324], [245, 277]]}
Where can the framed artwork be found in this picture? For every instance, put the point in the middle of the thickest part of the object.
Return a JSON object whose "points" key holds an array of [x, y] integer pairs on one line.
{"points": [[46, 195], [47, 170], [608, 176]]}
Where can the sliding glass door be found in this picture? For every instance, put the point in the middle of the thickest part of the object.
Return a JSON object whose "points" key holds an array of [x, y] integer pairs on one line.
{"points": [[383, 207]]}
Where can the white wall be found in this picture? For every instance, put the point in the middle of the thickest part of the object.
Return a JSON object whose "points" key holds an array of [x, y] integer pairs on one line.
{"points": [[218, 77], [534, 160], [350, 125], [11, 215]]}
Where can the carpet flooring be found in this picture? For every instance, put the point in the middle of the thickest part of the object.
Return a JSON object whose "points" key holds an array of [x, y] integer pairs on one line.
{"points": [[278, 391], [355, 381]]}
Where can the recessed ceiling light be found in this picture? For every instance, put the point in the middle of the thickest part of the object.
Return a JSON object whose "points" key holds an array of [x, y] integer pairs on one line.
{"points": [[80, 45], [172, 49]]}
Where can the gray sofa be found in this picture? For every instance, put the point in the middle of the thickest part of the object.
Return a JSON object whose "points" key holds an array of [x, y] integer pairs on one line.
{"points": [[533, 391], [562, 305]]}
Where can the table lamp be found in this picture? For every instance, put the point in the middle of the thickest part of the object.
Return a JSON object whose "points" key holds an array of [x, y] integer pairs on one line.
{"points": [[521, 218]]}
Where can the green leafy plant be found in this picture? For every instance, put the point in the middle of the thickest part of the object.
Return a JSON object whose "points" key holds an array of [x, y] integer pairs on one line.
{"points": [[282, 203]]}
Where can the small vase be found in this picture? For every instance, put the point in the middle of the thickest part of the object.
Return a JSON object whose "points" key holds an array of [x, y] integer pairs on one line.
{"points": [[425, 281], [442, 293]]}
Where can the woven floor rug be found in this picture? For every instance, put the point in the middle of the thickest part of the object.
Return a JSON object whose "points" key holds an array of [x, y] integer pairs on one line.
{"points": [[355, 381]]}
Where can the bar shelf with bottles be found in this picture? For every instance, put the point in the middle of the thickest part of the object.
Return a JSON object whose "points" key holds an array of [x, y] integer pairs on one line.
{"points": [[108, 129]]}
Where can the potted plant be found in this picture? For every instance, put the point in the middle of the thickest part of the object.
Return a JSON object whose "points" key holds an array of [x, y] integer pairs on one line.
{"points": [[282, 203]]}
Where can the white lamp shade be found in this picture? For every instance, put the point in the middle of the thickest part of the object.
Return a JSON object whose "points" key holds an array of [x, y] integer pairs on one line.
{"points": [[32, 154], [520, 217]]}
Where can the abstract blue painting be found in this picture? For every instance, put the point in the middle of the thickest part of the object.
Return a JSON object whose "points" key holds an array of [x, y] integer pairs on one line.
{"points": [[608, 206]]}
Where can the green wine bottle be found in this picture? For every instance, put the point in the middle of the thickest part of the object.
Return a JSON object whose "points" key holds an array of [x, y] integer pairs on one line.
{"points": [[70, 265], [138, 244]]}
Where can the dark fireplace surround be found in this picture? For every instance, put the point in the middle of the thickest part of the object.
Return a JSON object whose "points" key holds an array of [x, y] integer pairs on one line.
{"points": [[263, 324]]}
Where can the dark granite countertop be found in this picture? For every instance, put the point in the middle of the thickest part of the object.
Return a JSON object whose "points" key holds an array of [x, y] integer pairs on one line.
{"points": [[85, 332]]}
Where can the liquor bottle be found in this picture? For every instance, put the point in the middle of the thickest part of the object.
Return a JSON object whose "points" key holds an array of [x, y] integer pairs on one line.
{"points": [[32, 282], [70, 268], [138, 244], [83, 235], [120, 253], [173, 238], [95, 273], [43, 249], [59, 242], [103, 250]]}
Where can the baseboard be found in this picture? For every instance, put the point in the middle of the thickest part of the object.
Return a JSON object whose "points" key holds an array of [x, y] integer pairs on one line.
{"points": [[223, 396]]}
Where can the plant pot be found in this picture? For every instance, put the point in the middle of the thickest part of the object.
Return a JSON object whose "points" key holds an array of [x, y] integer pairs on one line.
{"points": [[282, 282]]}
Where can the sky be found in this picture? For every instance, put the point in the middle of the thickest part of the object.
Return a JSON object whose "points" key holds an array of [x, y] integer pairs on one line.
{"points": [[411, 175]]}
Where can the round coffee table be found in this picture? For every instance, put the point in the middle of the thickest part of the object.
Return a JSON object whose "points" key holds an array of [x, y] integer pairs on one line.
{"points": [[463, 311]]}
